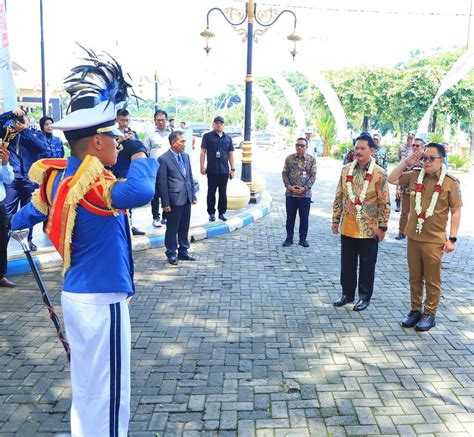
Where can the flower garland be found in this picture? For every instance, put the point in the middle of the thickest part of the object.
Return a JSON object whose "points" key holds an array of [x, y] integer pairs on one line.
{"points": [[423, 215], [358, 201]]}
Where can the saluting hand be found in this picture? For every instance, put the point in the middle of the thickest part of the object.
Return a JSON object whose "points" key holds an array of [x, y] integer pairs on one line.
{"points": [[414, 158]]}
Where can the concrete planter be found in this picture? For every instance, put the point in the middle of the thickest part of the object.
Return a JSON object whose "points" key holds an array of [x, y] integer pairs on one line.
{"points": [[238, 194]]}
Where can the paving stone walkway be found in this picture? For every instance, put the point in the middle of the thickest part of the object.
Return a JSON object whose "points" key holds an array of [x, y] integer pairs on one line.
{"points": [[246, 342]]}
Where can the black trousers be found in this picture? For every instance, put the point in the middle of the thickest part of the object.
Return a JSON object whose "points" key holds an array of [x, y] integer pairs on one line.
{"points": [[155, 202], [299, 205], [3, 240], [177, 225], [214, 182], [362, 252], [18, 193]]}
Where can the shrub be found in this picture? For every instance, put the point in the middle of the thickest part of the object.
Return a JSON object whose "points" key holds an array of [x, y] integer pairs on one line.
{"points": [[459, 161], [338, 151]]}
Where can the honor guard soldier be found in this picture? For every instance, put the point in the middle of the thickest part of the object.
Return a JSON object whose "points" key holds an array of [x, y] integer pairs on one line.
{"points": [[433, 195], [87, 223]]}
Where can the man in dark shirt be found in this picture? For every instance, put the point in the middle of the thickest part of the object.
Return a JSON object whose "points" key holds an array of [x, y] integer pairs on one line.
{"points": [[219, 150]]}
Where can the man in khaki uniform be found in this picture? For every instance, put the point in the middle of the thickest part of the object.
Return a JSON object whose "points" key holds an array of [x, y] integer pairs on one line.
{"points": [[403, 192], [426, 232]]}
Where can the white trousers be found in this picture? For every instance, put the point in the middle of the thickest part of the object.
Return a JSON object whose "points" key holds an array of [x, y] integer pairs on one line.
{"points": [[98, 331]]}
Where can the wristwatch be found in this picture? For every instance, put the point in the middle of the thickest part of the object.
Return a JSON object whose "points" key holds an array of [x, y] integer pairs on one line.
{"points": [[383, 228], [232, 169], [453, 239]]}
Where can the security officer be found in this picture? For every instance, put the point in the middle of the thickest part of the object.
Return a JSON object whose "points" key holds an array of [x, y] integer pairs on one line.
{"points": [[418, 145], [426, 229], [218, 149]]}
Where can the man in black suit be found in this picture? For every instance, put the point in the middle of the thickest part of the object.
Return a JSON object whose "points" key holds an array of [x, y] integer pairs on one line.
{"points": [[176, 188]]}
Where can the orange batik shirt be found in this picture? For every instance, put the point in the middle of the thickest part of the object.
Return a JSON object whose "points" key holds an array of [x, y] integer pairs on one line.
{"points": [[375, 207]]}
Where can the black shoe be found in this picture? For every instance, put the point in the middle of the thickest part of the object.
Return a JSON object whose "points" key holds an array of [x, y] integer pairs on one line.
{"points": [[32, 246], [212, 217], [343, 300], [397, 209], [136, 231], [361, 305], [426, 322], [304, 243], [5, 282], [186, 257], [163, 221], [287, 242], [222, 217], [400, 236], [412, 319], [173, 260]]}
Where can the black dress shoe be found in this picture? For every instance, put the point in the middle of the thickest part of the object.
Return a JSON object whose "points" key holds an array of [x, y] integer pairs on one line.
{"points": [[304, 243], [212, 217], [412, 319], [136, 231], [343, 300], [287, 242], [186, 257], [400, 236], [5, 282], [397, 209], [32, 246], [173, 260], [361, 305], [222, 217], [426, 322]]}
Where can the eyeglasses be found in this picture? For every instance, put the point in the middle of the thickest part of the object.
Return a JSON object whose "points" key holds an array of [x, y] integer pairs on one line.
{"points": [[429, 158], [300, 145]]}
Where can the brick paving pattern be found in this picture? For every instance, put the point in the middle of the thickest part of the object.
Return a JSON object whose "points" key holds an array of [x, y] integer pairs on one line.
{"points": [[246, 342]]}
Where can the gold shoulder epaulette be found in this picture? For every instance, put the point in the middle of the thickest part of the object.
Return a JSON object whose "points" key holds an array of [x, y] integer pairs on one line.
{"points": [[40, 168]]}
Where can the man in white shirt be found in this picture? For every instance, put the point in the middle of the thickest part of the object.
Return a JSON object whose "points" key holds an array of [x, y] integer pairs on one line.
{"points": [[157, 143]]}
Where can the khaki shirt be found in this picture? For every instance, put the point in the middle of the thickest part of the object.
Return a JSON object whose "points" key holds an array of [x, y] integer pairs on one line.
{"points": [[375, 209], [434, 227]]}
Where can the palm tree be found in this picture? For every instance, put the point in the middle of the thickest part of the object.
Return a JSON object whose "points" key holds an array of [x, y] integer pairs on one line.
{"points": [[326, 127]]}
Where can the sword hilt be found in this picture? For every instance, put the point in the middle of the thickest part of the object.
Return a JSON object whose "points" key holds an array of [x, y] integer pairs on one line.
{"points": [[22, 237]]}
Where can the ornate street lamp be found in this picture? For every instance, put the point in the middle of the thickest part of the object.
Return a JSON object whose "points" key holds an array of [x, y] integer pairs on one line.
{"points": [[265, 18], [156, 80]]}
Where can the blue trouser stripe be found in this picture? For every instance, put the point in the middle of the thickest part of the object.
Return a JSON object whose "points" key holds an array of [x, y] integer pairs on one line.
{"points": [[118, 369], [115, 364]]}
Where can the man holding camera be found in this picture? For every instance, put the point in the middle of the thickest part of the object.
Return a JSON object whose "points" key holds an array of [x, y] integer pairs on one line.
{"points": [[129, 142], [25, 148]]}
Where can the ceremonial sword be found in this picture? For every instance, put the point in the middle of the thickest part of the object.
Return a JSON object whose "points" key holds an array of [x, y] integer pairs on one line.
{"points": [[22, 237]]}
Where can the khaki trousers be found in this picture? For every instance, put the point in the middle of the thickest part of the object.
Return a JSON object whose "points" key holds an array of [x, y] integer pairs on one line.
{"points": [[424, 265], [405, 203]]}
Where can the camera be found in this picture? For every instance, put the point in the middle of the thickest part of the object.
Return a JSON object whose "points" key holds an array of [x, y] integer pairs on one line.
{"points": [[19, 118], [127, 130]]}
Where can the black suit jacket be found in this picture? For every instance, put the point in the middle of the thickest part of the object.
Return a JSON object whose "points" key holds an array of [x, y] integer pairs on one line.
{"points": [[176, 188]]}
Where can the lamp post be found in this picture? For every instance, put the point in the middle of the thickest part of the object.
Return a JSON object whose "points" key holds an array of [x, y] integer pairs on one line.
{"points": [[264, 18], [43, 71], [156, 80]]}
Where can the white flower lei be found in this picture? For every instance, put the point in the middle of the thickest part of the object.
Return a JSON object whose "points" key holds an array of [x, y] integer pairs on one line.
{"points": [[422, 216], [358, 201]]}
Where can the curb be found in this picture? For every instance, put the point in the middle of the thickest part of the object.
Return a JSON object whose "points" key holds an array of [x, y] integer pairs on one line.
{"points": [[51, 258]]}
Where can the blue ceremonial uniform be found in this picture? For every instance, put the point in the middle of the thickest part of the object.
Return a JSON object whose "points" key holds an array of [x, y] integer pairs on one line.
{"points": [[101, 253]]}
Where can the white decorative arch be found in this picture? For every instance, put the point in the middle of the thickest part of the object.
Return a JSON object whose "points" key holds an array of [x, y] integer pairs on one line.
{"points": [[458, 71], [333, 102], [292, 99]]}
